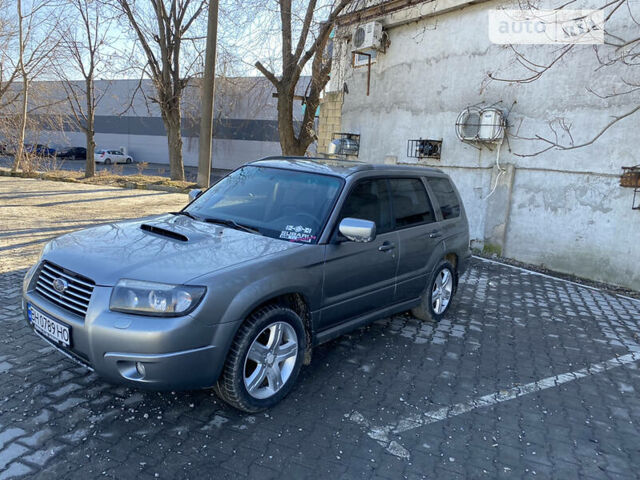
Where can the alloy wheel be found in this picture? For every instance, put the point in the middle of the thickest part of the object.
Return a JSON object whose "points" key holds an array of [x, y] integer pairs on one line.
{"points": [[442, 290], [270, 360]]}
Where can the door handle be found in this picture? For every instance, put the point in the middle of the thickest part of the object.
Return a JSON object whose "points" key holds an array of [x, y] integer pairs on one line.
{"points": [[435, 234], [386, 246]]}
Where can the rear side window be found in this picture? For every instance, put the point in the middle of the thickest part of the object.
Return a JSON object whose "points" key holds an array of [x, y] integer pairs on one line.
{"points": [[446, 196], [411, 204], [369, 200]]}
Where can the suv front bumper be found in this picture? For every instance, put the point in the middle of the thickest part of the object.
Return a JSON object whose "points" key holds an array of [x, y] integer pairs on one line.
{"points": [[174, 353]]}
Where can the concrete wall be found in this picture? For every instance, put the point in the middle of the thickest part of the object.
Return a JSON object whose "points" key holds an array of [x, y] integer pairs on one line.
{"points": [[560, 209]]}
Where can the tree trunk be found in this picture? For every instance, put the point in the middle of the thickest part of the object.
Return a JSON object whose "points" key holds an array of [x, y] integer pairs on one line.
{"points": [[288, 140], [174, 139], [23, 125], [25, 94], [90, 164]]}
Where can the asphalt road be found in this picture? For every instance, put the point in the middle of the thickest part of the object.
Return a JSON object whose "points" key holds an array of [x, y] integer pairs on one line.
{"points": [[159, 169], [528, 376]]}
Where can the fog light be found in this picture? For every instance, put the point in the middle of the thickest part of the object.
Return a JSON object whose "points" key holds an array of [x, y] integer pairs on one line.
{"points": [[140, 368]]}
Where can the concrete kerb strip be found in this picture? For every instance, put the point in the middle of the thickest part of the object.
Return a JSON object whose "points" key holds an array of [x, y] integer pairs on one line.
{"points": [[127, 185]]}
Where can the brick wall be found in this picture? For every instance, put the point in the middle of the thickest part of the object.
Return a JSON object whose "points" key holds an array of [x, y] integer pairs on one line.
{"points": [[330, 120]]}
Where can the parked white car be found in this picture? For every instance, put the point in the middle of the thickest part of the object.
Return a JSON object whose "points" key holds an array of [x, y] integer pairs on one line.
{"points": [[112, 156]]}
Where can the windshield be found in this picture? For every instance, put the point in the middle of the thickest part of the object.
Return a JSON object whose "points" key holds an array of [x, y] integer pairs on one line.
{"points": [[278, 203]]}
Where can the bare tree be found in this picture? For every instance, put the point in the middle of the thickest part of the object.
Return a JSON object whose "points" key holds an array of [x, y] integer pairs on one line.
{"points": [[8, 69], [161, 32], [618, 58], [88, 53], [311, 46], [37, 42]]}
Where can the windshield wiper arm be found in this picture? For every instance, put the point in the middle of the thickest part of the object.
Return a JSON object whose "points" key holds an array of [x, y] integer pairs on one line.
{"points": [[233, 224], [186, 214]]}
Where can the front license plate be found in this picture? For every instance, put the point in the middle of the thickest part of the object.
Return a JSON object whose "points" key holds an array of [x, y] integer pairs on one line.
{"points": [[49, 327]]}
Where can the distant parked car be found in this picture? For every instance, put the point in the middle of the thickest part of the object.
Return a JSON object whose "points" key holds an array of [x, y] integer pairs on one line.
{"points": [[73, 153], [40, 150], [112, 156]]}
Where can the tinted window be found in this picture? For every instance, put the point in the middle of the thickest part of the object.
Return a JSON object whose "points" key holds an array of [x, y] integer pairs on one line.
{"points": [[369, 200], [411, 204], [446, 196], [284, 204]]}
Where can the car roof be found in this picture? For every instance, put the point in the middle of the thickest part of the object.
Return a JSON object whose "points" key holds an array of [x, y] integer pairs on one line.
{"points": [[338, 167]]}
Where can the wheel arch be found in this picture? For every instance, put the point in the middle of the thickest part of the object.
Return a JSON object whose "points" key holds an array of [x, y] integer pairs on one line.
{"points": [[292, 298], [452, 258], [297, 302]]}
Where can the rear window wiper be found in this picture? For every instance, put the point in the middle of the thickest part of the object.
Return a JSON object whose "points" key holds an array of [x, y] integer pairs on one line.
{"points": [[233, 224]]}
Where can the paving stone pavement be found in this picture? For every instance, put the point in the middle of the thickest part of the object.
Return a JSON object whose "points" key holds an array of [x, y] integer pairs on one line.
{"points": [[527, 377]]}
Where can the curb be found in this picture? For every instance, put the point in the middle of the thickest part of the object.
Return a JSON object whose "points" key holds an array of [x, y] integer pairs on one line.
{"points": [[5, 172]]}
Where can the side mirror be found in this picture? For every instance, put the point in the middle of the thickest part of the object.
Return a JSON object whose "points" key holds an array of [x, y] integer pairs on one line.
{"points": [[358, 230], [193, 194]]}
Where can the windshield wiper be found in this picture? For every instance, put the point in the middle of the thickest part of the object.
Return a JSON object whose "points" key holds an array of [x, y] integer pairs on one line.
{"points": [[233, 224], [186, 214]]}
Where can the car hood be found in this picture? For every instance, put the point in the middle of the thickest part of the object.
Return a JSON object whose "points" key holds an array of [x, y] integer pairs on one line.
{"points": [[167, 248]]}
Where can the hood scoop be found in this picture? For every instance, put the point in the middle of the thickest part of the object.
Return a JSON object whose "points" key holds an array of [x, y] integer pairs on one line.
{"points": [[164, 232]]}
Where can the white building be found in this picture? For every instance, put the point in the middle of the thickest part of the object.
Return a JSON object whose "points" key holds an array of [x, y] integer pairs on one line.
{"points": [[562, 209], [245, 127]]}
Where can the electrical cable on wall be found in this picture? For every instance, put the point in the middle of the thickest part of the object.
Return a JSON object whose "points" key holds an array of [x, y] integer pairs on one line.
{"points": [[501, 170]]}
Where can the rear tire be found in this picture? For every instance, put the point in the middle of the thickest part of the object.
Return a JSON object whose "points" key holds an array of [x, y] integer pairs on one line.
{"points": [[438, 296], [107, 161], [264, 360]]}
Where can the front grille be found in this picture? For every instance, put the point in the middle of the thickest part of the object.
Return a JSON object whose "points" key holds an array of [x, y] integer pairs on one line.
{"points": [[77, 294]]}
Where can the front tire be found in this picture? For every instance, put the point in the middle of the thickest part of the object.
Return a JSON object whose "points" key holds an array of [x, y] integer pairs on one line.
{"points": [[264, 360], [437, 298]]}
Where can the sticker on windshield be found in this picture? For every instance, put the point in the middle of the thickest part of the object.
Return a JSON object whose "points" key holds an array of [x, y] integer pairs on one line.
{"points": [[297, 234]]}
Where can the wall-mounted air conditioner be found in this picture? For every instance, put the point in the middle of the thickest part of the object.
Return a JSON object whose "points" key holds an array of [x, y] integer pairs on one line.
{"points": [[367, 37], [485, 125]]}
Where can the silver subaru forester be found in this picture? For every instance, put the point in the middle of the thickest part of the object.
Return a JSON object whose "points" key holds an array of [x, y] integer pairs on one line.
{"points": [[233, 291]]}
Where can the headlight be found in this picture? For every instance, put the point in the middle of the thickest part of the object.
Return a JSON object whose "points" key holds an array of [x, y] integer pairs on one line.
{"points": [[27, 277], [45, 248], [150, 298]]}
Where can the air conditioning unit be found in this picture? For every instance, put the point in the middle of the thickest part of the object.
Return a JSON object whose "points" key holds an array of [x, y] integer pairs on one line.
{"points": [[468, 124], [491, 125], [367, 37], [480, 125]]}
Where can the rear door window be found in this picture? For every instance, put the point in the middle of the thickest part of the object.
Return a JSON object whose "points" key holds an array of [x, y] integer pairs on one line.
{"points": [[411, 204], [446, 196]]}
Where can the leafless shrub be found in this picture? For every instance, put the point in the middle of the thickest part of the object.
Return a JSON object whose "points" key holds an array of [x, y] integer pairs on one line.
{"points": [[117, 169], [141, 166], [49, 164]]}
